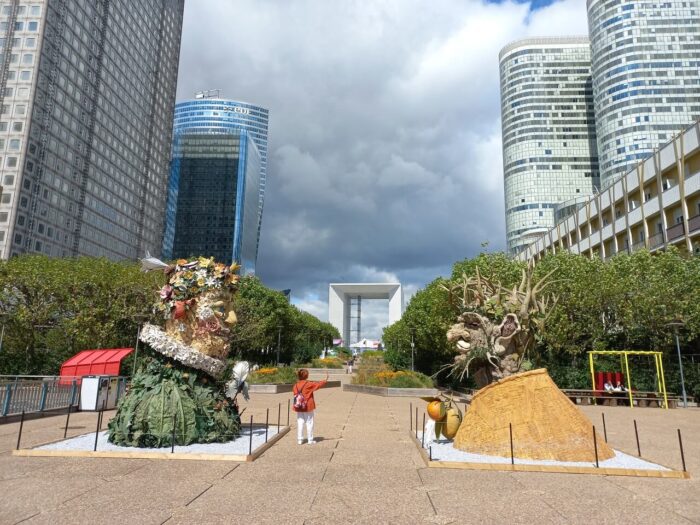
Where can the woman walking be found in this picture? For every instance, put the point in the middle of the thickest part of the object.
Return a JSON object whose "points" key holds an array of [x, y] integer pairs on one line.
{"points": [[304, 404]]}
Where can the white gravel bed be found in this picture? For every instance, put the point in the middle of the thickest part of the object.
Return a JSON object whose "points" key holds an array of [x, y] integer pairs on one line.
{"points": [[443, 450], [240, 446]]}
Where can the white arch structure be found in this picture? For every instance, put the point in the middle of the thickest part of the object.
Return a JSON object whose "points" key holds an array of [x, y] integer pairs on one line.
{"points": [[341, 297]]}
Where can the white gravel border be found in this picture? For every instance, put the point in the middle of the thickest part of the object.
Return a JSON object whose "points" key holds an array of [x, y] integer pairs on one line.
{"points": [[237, 447], [443, 450]]}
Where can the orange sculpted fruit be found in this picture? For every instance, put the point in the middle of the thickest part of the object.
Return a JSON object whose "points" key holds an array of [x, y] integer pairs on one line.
{"points": [[436, 410]]}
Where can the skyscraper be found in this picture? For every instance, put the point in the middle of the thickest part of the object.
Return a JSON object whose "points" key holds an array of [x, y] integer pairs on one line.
{"points": [[215, 191], [549, 152], [87, 93], [646, 76]]}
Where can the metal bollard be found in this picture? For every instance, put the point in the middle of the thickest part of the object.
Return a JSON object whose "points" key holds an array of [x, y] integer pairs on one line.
{"points": [[422, 434], [636, 435], [97, 430], [250, 442], [65, 430], [267, 418], [680, 443], [410, 415], [279, 412], [21, 425], [595, 446], [430, 452], [605, 430], [512, 457]]}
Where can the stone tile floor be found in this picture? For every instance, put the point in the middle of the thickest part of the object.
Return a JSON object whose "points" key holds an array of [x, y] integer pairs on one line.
{"points": [[365, 469]]}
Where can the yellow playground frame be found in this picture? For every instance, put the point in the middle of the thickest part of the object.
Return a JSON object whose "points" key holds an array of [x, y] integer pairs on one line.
{"points": [[624, 362]]}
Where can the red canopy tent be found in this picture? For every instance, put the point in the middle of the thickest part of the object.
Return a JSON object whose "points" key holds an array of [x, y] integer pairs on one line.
{"points": [[95, 362]]}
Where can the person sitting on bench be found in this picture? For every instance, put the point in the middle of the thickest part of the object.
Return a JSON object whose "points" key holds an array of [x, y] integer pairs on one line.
{"points": [[620, 387], [608, 387]]}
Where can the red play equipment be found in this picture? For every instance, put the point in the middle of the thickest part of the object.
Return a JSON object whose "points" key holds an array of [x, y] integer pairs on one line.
{"points": [[104, 362]]}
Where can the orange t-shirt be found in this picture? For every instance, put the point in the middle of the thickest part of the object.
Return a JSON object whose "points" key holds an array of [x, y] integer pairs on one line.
{"points": [[307, 389]]}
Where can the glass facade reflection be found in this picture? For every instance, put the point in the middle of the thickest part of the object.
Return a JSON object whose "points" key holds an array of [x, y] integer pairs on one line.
{"points": [[218, 115], [549, 152], [646, 76], [87, 91], [213, 204]]}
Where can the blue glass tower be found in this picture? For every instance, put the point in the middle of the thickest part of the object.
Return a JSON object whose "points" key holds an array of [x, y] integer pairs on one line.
{"points": [[216, 186]]}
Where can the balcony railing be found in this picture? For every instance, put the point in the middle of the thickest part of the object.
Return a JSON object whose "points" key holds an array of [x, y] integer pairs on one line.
{"points": [[694, 223], [638, 246], [656, 240], [675, 231]]}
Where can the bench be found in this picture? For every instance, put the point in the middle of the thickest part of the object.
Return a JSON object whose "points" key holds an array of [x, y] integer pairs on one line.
{"points": [[640, 399]]}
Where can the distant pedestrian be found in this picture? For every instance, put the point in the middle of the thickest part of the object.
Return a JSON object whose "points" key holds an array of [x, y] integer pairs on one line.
{"points": [[351, 362], [304, 404]]}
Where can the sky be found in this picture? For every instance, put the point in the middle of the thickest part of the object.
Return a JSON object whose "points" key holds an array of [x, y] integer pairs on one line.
{"points": [[384, 153]]}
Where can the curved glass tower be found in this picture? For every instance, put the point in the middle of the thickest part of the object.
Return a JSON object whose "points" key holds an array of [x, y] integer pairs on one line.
{"points": [[646, 76], [217, 184], [549, 152]]}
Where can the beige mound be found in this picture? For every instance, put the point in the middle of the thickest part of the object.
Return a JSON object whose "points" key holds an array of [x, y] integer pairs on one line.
{"points": [[546, 425]]}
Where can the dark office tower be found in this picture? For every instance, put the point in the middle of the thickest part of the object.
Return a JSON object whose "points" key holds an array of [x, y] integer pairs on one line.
{"points": [[217, 181], [87, 91]]}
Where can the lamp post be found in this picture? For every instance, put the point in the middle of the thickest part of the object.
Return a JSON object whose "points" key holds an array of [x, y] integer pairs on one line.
{"points": [[413, 348], [675, 325], [279, 339]]}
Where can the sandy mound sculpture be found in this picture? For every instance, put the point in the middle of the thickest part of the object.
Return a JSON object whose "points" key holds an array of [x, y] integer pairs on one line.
{"points": [[546, 425], [178, 391]]}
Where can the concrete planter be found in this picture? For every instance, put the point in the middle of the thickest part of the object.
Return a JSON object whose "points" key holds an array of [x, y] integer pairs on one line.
{"points": [[391, 392], [280, 388]]}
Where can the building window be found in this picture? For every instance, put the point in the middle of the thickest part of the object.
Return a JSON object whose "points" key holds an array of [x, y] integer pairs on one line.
{"points": [[11, 162], [28, 58], [32, 26], [19, 26], [6, 198], [9, 180], [35, 10], [14, 144], [3, 216], [25, 75], [17, 126]]}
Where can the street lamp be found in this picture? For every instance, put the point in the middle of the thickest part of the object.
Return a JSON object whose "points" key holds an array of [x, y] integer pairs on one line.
{"points": [[413, 348], [279, 339], [675, 325]]}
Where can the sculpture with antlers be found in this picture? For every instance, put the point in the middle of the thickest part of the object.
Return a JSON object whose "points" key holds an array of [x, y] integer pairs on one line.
{"points": [[496, 326]]}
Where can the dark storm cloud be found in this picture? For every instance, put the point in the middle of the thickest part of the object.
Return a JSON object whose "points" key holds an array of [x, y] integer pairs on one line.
{"points": [[384, 155]]}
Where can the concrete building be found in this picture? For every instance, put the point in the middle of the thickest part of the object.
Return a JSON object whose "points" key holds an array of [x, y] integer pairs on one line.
{"points": [[87, 91], [208, 113], [652, 206], [549, 152], [213, 204], [345, 306], [645, 58]]}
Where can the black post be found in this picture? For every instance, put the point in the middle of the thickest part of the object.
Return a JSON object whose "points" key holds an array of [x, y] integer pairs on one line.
{"points": [[104, 406], [21, 425], [595, 446], [512, 457], [65, 430], [267, 418], [410, 415], [97, 430], [430, 451], [605, 430], [680, 442], [422, 435], [172, 446], [636, 435], [279, 412], [250, 443]]}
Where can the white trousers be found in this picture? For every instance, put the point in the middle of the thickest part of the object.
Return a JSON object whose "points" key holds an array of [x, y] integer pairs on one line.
{"points": [[308, 419]]}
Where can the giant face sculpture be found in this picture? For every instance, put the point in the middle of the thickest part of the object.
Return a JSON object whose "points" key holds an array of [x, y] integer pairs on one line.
{"points": [[197, 304]]}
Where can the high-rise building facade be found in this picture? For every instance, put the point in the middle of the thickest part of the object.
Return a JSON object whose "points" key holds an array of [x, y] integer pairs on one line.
{"points": [[210, 114], [646, 76], [549, 151], [87, 90], [214, 206]]}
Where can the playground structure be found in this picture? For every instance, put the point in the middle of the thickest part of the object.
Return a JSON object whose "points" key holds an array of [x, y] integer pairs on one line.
{"points": [[624, 363]]}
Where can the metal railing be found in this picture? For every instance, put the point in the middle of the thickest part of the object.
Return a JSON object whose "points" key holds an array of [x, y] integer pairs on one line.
{"points": [[37, 393]]}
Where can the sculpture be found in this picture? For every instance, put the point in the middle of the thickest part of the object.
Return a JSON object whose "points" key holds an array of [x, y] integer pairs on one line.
{"points": [[179, 392], [496, 327]]}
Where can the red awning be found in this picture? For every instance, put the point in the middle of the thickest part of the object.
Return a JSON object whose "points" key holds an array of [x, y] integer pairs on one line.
{"points": [[95, 362]]}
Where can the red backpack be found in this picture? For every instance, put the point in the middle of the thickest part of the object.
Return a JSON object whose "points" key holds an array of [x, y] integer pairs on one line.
{"points": [[299, 399]]}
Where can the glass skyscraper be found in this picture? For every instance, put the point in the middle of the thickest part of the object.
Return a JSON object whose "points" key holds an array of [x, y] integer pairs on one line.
{"points": [[549, 151], [646, 76], [216, 186], [87, 90]]}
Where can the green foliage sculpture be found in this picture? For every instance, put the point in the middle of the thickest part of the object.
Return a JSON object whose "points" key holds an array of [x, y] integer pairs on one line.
{"points": [[179, 392]]}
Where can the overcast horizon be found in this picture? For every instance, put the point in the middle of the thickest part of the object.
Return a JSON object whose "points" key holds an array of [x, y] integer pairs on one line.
{"points": [[384, 154]]}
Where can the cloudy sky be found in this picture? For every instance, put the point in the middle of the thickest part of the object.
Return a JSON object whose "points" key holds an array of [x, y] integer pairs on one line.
{"points": [[384, 155]]}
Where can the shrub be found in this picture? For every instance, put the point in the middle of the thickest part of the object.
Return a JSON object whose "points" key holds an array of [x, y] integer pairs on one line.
{"points": [[373, 353], [271, 375], [398, 379], [328, 362]]}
